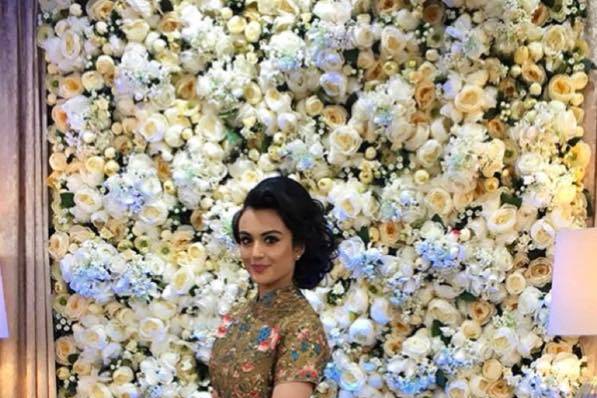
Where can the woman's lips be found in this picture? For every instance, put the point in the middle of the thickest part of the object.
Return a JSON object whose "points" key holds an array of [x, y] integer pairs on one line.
{"points": [[258, 268]]}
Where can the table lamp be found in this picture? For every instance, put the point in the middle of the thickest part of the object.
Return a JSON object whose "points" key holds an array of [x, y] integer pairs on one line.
{"points": [[3, 320], [573, 309]]}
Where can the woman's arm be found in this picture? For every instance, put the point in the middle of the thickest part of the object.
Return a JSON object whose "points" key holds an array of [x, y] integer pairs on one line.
{"points": [[292, 390]]}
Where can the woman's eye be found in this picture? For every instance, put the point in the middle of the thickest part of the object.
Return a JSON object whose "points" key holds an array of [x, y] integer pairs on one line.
{"points": [[245, 241], [271, 240]]}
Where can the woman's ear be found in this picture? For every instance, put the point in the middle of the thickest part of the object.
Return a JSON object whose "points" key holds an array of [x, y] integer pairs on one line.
{"points": [[299, 250]]}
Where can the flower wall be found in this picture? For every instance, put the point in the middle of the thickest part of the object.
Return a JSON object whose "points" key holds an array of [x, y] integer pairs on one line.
{"points": [[444, 138]]}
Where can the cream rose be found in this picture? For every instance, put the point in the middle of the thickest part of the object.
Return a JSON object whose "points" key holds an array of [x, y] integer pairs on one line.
{"points": [[123, 375], [99, 390], [182, 281], [542, 234], [99, 9], [560, 88], [64, 346], [515, 283], [135, 30], [154, 128], [502, 220], [393, 42], [88, 199], [439, 201], [567, 365], [556, 40], [76, 306], [92, 80], [539, 272], [58, 245], [445, 312], [70, 86], [418, 345], [334, 83], [470, 99], [344, 141]]}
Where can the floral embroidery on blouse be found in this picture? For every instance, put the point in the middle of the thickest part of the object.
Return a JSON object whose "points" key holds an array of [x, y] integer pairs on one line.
{"points": [[278, 338]]}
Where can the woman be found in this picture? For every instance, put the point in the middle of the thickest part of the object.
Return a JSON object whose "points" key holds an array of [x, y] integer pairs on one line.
{"points": [[275, 346]]}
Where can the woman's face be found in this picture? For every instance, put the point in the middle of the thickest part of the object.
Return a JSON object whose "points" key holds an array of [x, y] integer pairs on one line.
{"points": [[266, 248]]}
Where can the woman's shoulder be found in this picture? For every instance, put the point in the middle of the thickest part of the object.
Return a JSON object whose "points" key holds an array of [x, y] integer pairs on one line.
{"points": [[302, 313]]}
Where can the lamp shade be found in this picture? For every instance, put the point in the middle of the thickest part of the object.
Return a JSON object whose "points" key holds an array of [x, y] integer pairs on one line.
{"points": [[3, 320], [574, 287]]}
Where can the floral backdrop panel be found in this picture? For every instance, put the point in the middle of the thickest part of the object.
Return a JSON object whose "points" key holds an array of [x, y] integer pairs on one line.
{"points": [[443, 137]]}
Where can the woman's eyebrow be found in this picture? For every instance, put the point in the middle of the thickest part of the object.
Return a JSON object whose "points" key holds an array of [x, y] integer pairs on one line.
{"points": [[272, 231]]}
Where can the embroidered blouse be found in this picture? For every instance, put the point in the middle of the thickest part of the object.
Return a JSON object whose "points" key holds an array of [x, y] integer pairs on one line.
{"points": [[273, 339]]}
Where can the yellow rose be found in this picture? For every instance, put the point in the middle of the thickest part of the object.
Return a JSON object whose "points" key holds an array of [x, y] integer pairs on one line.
{"points": [[579, 80], [389, 232], [70, 86], [533, 73], [538, 273], [425, 94], [387, 6], [186, 87], [65, 346], [60, 118], [135, 29], [433, 13], [169, 23], [481, 311], [469, 99], [560, 88], [99, 9]]}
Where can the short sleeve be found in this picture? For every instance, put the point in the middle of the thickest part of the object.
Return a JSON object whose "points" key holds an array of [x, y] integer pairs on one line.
{"points": [[303, 352]]}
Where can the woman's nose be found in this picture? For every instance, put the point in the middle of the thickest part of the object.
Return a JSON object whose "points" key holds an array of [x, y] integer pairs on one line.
{"points": [[257, 251]]}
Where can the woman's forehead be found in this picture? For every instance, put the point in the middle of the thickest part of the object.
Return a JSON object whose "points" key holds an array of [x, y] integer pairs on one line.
{"points": [[261, 220]]}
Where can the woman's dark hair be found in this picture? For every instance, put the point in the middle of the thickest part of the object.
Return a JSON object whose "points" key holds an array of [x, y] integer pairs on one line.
{"points": [[304, 217]]}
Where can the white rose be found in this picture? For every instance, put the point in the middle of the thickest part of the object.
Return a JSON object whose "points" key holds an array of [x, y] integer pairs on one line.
{"points": [[182, 280], [99, 390], [211, 127], [357, 300], [504, 340], [502, 220], [152, 329], [154, 128], [458, 389], [88, 200], [478, 386], [445, 312], [381, 310], [542, 234], [344, 141], [565, 124], [155, 213], [363, 36], [529, 300], [173, 136], [333, 83], [566, 364], [93, 337], [393, 42], [418, 345], [528, 343], [277, 101], [337, 12], [163, 309], [362, 332], [429, 152], [352, 377], [528, 163]]}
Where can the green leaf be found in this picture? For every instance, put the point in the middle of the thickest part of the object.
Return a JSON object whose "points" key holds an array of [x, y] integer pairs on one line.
{"points": [[510, 199], [468, 297], [363, 233], [72, 358], [437, 218], [435, 328], [233, 137], [67, 200], [351, 56], [440, 379]]}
